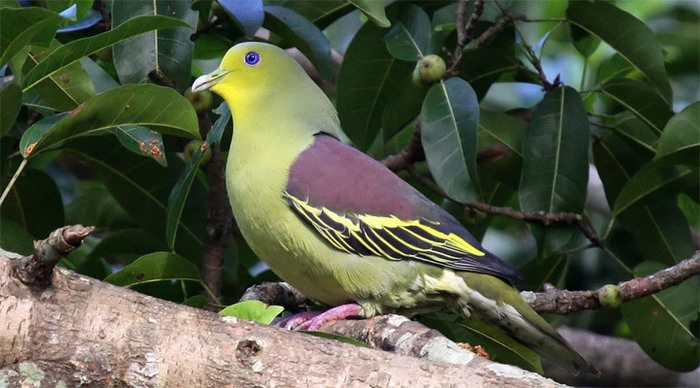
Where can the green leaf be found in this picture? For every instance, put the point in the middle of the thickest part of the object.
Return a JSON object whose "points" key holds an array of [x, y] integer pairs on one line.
{"points": [[368, 77], [247, 14], [94, 205], [545, 268], [449, 121], [153, 267], [81, 7], [23, 27], [141, 187], [10, 103], [374, 10], [670, 312], [73, 51], [167, 52], [638, 134], [197, 301], [62, 91], [555, 154], [652, 181], [152, 106], [481, 67], [178, 196], [691, 210], [320, 13], [13, 238], [680, 140], [500, 347], [641, 99], [584, 42], [409, 37], [627, 35], [506, 129], [658, 228], [141, 141], [34, 203], [304, 35], [614, 67], [253, 310], [403, 106]]}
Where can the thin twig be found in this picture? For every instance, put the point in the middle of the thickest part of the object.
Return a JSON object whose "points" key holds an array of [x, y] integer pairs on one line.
{"points": [[410, 154], [465, 32], [13, 180]]}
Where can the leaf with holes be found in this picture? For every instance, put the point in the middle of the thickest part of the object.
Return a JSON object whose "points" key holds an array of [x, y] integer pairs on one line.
{"points": [[141, 141], [156, 107], [167, 51], [449, 121], [627, 35], [555, 154]]}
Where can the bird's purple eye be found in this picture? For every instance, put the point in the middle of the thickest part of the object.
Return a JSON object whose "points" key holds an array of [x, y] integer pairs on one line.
{"points": [[252, 58]]}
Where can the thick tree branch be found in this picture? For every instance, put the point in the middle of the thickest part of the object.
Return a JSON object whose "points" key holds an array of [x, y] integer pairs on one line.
{"points": [[83, 331]]}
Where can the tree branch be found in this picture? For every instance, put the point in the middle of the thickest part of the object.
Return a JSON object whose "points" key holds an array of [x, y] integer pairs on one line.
{"points": [[565, 302], [465, 30], [35, 270], [410, 154]]}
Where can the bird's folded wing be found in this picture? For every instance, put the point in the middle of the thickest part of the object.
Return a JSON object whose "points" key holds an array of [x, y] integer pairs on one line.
{"points": [[358, 206]]}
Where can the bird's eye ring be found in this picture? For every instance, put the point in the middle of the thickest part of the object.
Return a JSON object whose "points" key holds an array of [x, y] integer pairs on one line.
{"points": [[252, 58]]}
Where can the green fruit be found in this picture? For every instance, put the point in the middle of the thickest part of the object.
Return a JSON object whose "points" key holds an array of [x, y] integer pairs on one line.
{"points": [[609, 296], [430, 69], [201, 101]]}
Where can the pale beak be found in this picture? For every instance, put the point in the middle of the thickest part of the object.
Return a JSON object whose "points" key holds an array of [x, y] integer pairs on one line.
{"points": [[206, 81]]}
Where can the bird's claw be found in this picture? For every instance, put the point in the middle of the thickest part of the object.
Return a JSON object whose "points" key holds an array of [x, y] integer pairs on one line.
{"points": [[313, 320]]}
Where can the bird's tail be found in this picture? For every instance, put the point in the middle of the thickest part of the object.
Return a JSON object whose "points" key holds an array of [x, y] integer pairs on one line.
{"points": [[493, 301]]}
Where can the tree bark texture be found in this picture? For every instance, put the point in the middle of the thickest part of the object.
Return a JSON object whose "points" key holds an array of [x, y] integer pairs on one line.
{"points": [[80, 331]]}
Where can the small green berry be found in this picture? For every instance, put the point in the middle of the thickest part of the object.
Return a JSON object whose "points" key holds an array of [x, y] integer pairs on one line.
{"points": [[192, 147], [609, 296], [431, 68], [201, 101]]}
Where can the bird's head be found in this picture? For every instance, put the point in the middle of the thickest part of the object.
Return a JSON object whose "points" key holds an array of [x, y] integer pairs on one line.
{"points": [[248, 69]]}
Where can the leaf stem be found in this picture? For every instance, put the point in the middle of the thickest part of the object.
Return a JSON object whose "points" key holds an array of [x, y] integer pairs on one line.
{"points": [[12, 181]]}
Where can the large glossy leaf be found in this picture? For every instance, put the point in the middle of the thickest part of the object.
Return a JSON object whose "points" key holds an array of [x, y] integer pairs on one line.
{"points": [[403, 106], [73, 51], [178, 196], [152, 106], [409, 37], [449, 120], [657, 228], [153, 267], [584, 42], [22, 27], [70, 9], [10, 103], [555, 154], [34, 203], [320, 13], [680, 140], [652, 181], [374, 10], [504, 128], [640, 99], [253, 310], [13, 238], [368, 77], [304, 35], [94, 205], [499, 346], [627, 35], [168, 51], [672, 312], [141, 187], [247, 14], [614, 67]]}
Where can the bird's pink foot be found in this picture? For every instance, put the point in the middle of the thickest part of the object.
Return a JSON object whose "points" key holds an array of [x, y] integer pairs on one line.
{"points": [[291, 323], [350, 310]]}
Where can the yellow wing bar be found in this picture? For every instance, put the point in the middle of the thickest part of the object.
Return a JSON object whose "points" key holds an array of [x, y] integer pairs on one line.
{"points": [[388, 236]]}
